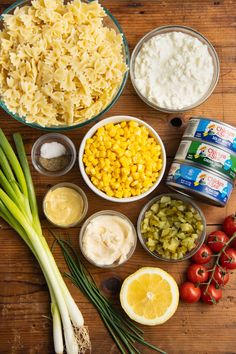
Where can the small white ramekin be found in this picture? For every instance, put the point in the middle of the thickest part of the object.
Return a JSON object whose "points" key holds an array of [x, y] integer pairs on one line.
{"points": [[92, 131]]}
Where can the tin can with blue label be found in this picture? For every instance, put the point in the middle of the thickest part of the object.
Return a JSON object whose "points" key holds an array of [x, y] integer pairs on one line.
{"points": [[212, 131], [192, 180]]}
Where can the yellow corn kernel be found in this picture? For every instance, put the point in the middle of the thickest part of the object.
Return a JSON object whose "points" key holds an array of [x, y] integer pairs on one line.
{"points": [[112, 181], [109, 126], [117, 163], [119, 194], [135, 175], [127, 193], [140, 168], [105, 180], [113, 158], [115, 147], [89, 140], [101, 163], [108, 144], [112, 131], [102, 154], [124, 161], [95, 162], [148, 173], [110, 193], [92, 171], [130, 179], [106, 168], [116, 185], [135, 184], [100, 131], [95, 181], [123, 124], [132, 123], [121, 131], [159, 165], [100, 185], [155, 175], [120, 152], [116, 172], [133, 191]]}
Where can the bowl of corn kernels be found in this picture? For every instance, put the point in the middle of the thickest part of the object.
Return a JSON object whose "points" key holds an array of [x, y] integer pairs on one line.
{"points": [[171, 227], [122, 159]]}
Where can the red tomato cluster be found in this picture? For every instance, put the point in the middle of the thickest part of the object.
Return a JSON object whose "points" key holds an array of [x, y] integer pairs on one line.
{"points": [[204, 283]]}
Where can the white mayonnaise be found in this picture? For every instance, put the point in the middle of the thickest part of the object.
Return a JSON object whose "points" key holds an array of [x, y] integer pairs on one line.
{"points": [[108, 239], [173, 70]]}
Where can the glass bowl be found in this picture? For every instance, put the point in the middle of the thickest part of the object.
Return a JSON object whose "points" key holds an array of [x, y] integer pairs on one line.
{"points": [[199, 241], [53, 137], [109, 21], [112, 213], [185, 30], [82, 194], [92, 131]]}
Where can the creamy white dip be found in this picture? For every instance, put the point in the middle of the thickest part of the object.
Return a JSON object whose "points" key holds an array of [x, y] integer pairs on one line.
{"points": [[173, 70], [108, 239]]}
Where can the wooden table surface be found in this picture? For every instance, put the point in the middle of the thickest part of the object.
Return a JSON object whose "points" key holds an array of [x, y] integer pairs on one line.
{"points": [[25, 325]]}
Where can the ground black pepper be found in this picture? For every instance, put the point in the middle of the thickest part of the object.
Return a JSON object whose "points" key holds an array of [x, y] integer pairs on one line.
{"points": [[54, 164]]}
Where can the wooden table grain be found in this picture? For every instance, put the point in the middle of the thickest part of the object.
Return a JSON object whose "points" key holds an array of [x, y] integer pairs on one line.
{"points": [[25, 325]]}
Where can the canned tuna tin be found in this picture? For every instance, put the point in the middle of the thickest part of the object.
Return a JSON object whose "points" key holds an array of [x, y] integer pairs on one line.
{"points": [[191, 180], [212, 131], [208, 155]]}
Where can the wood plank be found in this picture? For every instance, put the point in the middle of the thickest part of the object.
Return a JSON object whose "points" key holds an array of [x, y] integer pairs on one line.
{"points": [[25, 325]]}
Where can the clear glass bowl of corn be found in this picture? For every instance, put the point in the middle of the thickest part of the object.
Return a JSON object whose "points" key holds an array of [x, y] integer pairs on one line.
{"points": [[171, 227]]}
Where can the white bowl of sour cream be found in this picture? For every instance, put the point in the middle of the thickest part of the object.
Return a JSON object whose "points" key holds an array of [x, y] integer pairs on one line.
{"points": [[107, 239], [174, 68]]}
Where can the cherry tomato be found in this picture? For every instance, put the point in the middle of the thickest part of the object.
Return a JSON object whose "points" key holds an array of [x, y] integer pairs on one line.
{"points": [[197, 273], [221, 276], [203, 255], [233, 244], [229, 225], [212, 295], [228, 259], [189, 292], [216, 240]]}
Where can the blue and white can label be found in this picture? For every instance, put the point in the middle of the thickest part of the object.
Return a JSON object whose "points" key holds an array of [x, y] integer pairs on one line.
{"points": [[212, 131], [193, 179]]}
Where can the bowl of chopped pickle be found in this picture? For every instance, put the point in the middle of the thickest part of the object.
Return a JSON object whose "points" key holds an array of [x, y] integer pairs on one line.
{"points": [[171, 227]]}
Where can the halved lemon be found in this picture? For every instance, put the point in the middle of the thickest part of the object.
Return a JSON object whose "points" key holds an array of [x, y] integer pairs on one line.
{"points": [[149, 296]]}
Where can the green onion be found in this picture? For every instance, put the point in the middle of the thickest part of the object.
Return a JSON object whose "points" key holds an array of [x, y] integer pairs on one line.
{"points": [[124, 332], [18, 207]]}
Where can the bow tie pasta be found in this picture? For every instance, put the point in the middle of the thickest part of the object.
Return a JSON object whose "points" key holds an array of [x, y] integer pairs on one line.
{"points": [[59, 64]]}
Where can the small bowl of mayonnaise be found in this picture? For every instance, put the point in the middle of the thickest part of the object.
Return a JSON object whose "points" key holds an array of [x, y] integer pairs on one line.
{"points": [[65, 205], [107, 239]]}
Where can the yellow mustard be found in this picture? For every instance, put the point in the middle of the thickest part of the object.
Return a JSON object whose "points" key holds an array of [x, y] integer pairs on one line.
{"points": [[63, 206]]}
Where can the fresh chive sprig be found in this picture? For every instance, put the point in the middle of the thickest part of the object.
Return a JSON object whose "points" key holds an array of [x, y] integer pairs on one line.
{"points": [[123, 331]]}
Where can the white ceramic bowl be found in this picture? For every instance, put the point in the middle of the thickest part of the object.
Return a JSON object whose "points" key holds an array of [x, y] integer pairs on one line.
{"points": [[91, 132]]}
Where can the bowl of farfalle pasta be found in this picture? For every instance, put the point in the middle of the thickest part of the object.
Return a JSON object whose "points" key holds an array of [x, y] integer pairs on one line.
{"points": [[62, 64]]}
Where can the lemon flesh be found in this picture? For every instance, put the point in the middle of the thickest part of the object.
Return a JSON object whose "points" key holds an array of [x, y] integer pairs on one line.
{"points": [[149, 296]]}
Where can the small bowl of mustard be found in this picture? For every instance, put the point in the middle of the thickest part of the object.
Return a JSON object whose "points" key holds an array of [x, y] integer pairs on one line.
{"points": [[65, 205]]}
